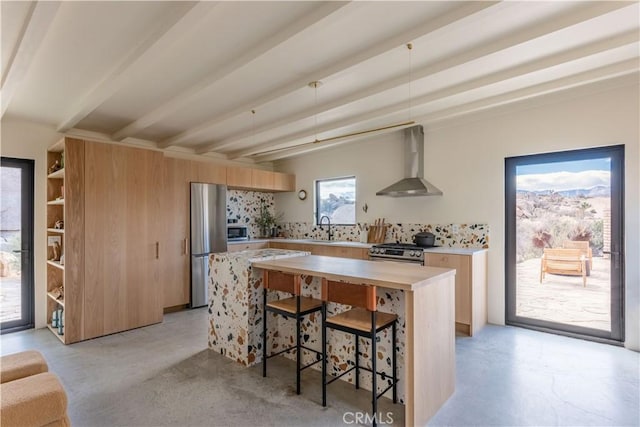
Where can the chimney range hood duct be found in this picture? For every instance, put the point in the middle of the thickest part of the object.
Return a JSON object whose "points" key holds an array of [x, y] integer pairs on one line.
{"points": [[413, 184]]}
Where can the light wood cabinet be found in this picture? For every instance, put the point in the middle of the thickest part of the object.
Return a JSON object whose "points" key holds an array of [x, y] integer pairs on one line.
{"points": [[240, 178], [284, 181], [122, 239], [209, 173], [244, 246], [175, 265], [471, 287], [259, 180]]}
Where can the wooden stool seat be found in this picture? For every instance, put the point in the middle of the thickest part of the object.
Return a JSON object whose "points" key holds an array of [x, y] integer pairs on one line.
{"points": [[360, 319], [289, 304]]}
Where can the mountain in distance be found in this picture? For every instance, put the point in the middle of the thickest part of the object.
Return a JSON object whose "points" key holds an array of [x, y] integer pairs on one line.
{"points": [[597, 191]]}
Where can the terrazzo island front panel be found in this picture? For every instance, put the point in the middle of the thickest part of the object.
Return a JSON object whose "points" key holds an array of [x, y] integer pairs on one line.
{"points": [[235, 320]]}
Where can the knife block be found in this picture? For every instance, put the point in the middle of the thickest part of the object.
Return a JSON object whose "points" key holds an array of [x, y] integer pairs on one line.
{"points": [[377, 233]]}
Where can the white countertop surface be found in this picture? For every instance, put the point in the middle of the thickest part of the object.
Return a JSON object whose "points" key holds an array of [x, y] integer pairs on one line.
{"points": [[453, 251], [436, 250]]}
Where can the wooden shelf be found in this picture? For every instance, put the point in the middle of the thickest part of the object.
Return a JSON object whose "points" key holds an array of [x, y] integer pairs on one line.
{"points": [[56, 202], [57, 147], [59, 174], [55, 230], [55, 264], [58, 301], [55, 332]]}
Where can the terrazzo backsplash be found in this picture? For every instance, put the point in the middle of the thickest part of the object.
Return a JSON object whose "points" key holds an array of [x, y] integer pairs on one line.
{"points": [[448, 235], [245, 206]]}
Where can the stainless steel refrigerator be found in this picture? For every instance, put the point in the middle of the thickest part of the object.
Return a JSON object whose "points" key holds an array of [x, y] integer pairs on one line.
{"points": [[208, 234]]}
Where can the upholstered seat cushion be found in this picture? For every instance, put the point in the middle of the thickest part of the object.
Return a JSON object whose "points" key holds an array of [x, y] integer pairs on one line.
{"points": [[20, 365], [36, 400]]}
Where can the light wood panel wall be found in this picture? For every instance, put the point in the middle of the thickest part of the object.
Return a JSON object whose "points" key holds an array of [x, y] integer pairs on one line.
{"points": [[122, 215], [175, 263], [74, 247]]}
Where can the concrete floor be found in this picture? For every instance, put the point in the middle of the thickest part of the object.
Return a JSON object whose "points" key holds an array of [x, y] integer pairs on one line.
{"points": [[164, 375]]}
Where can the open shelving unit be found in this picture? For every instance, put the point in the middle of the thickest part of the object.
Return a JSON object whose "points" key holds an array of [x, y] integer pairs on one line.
{"points": [[55, 212]]}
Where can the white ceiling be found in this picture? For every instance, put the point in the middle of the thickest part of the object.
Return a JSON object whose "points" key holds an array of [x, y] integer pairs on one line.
{"points": [[186, 75]]}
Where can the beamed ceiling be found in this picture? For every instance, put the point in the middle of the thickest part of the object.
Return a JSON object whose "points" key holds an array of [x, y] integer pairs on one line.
{"points": [[185, 76]]}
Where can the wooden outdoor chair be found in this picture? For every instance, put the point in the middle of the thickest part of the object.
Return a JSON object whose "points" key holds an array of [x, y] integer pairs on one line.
{"points": [[586, 251], [570, 262]]}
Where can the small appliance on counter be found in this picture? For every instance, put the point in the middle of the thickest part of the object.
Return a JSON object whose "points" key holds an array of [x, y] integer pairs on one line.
{"points": [[237, 232], [208, 222]]}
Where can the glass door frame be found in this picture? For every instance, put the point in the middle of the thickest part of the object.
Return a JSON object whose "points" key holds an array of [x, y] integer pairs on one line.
{"points": [[616, 153], [27, 290]]}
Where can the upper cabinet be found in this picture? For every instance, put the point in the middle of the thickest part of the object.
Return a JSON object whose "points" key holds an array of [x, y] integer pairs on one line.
{"points": [[259, 180], [239, 178]]}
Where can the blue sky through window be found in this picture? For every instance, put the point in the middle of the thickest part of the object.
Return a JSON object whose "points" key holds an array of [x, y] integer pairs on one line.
{"points": [[559, 176]]}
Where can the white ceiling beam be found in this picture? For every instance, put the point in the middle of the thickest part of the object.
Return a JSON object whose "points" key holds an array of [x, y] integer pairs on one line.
{"points": [[532, 32], [193, 92], [337, 67], [603, 73], [39, 19], [136, 61], [587, 77], [546, 62], [499, 76]]}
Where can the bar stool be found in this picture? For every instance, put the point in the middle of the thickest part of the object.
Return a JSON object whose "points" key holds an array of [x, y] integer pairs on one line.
{"points": [[295, 307], [363, 320]]}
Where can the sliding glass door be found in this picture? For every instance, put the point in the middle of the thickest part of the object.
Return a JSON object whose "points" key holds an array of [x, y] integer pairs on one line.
{"points": [[564, 253], [16, 245]]}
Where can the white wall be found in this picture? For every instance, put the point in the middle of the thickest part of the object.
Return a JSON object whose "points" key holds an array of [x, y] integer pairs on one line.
{"points": [[27, 140], [465, 159]]}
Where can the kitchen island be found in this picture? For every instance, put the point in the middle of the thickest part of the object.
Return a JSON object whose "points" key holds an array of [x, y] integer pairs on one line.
{"points": [[422, 297], [426, 338]]}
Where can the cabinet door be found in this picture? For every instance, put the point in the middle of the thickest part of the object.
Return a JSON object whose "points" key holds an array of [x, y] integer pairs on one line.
{"points": [[261, 179], [239, 177], [175, 263], [209, 173], [122, 224], [237, 247], [462, 264], [284, 182]]}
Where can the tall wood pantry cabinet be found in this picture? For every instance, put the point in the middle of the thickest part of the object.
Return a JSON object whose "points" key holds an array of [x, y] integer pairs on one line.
{"points": [[110, 240]]}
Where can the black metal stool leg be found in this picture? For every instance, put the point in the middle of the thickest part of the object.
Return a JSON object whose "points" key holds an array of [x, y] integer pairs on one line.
{"points": [[393, 362], [357, 361], [298, 348], [374, 380], [324, 354], [264, 332]]}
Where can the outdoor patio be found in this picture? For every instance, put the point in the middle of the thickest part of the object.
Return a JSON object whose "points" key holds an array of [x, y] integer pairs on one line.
{"points": [[563, 298], [10, 299]]}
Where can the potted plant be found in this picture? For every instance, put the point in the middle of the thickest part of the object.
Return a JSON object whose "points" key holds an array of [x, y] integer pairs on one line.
{"points": [[266, 221]]}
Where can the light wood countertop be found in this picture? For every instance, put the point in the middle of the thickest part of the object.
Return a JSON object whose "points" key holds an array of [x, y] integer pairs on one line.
{"points": [[403, 276]]}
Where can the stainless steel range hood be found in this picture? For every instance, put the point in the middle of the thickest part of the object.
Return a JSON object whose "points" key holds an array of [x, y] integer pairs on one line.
{"points": [[413, 184]]}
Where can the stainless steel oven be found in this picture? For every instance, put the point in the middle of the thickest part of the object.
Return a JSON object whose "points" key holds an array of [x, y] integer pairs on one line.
{"points": [[397, 252]]}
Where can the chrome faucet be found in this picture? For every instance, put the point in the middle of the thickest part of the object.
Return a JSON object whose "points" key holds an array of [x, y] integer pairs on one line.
{"points": [[328, 225]]}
